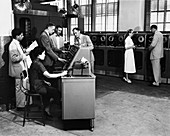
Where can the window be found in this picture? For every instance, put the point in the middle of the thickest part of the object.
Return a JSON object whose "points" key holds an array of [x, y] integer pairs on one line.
{"points": [[160, 14], [106, 15]]}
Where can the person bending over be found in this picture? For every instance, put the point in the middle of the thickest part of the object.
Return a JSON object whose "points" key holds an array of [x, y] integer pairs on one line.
{"points": [[37, 75]]}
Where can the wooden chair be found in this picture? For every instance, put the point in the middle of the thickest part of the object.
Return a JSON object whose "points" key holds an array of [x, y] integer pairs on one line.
{"points": [[28, 107]]}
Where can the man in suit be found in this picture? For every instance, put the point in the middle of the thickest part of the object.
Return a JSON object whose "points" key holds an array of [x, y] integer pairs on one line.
{"points": [[156, 54], [46, 42], [17, 63], [84, 41]]}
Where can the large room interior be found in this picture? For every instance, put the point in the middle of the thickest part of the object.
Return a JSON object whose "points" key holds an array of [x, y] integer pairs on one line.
{"points": [[94, 102]]}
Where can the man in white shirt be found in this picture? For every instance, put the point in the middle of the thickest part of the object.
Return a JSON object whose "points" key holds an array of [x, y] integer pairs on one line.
{"points": [[17, 64], [58, 41], [82, 40]]}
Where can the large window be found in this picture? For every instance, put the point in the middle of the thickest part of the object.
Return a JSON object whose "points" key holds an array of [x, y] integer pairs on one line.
{"points": [[106, 15], [85, 6], [86, 12], [160, 14]]}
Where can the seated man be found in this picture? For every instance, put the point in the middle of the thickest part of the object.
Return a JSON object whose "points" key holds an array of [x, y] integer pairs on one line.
{"points": [[37, 75]]}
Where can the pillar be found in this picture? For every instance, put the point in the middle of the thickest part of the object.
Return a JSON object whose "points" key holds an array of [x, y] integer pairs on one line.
{"points": [[7, 84], [131, 15]]}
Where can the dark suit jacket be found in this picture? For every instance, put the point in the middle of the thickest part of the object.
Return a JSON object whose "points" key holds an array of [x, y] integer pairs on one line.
{"points": [[46, 43]]}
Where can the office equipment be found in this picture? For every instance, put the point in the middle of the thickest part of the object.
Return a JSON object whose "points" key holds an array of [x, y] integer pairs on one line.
{"points": [[78, 88]]}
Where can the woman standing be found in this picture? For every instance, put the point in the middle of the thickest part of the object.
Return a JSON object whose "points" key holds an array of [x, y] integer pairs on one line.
{"points": [[129, 61]]}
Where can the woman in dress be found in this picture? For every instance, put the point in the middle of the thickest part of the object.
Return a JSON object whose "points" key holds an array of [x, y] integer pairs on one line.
{"points": [[129, 61]]}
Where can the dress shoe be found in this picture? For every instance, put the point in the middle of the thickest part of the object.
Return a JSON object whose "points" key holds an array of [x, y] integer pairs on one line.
{"points": [[155, 84], [127, 80]]}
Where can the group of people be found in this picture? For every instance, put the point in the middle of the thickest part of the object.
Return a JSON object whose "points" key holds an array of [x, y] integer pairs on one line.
{"points": [[156, 53], [50, 50], [44, 57]]}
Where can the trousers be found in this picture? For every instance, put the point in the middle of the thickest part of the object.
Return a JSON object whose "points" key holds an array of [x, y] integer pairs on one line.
{"points": [[156, 67]]}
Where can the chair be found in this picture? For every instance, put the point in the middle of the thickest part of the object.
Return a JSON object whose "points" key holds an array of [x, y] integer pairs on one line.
{"points": [[28, 107]]}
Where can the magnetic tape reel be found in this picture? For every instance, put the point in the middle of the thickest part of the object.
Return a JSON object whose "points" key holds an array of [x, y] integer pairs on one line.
{"points": [[111, 38], [94, 38], [103, 38], [120, 38], [141, 39]]}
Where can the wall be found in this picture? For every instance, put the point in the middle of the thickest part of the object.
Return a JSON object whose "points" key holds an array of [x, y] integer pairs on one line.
{"points": [[131, 15], [7, 84], [6, 15]]}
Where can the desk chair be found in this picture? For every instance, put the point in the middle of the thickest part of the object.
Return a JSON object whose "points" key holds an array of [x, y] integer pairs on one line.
{"points": [[28, 107]]}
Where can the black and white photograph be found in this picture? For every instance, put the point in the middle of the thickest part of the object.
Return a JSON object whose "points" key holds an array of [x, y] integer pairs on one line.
{"points": [[85, 68]]}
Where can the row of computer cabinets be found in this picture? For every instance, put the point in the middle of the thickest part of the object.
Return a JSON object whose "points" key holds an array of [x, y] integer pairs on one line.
{"points": [[116, 39], [109, 56]]}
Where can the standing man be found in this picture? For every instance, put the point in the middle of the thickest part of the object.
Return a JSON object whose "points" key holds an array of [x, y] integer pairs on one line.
{"points": [[84, 41], [156, 54], [57, 40], [17, 64], [46, 42]]}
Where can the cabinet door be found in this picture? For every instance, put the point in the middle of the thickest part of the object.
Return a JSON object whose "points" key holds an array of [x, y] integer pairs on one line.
{"points": [[78, 98]]}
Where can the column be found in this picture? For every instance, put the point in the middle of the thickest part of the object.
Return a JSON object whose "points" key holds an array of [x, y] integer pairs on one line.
{"points": [[7, 84], [131, 15]]}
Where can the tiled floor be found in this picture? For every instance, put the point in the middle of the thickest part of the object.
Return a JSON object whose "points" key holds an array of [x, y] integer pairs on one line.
{"points": [[121, 110]]}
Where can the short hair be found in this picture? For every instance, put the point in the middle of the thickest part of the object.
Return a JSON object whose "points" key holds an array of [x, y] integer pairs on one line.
{"points": [[16, 32], [49, 25], [154, 26], [58, 26], [76, 28], [35, 52]]}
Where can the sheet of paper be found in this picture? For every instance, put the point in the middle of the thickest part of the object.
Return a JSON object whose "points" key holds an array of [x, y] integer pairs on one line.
{"points": [[32, 46]]}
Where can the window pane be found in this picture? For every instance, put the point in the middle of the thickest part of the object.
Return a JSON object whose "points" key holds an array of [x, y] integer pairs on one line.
{"points": [[108, 1], [110, 8], [168, 4], [98, 28], [160, 27], [100, 1], [83, 10], [103, 8], [85, 27], [89, 9], [83, 2], [98, 20], [115, 9], [89, 20], [161, 17], [161, 4], [115, 23], [74, 21], [98, 9], [153, 5], [154, 17], [168, 17], [167, 27], [109, 26]]}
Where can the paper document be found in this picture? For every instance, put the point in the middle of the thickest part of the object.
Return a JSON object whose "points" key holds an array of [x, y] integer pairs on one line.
{"points": [[32, 46]]}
